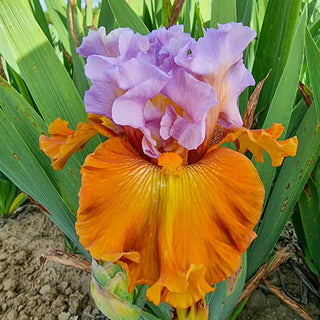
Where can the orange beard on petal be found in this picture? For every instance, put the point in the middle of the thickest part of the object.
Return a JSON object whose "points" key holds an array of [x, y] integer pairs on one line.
{"points": [[180, 230]]}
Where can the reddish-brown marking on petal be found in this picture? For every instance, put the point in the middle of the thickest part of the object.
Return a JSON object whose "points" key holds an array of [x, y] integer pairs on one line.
{"points": [[179, 233]]}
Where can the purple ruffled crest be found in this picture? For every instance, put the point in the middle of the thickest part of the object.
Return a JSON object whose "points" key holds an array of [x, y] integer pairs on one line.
{"points": [[163, 84], [217, 58]]}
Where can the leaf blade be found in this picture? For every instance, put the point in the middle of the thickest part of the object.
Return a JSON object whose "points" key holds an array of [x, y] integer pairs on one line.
{"points": [[223, 300], [126, 17], [280, 108], [310, 217], [313, 60], [57, 11], [222, 11], [278, 29], [49, 83]]}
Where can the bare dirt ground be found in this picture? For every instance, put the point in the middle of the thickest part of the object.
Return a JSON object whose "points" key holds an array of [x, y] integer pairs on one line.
{"points": [[28, 291]]}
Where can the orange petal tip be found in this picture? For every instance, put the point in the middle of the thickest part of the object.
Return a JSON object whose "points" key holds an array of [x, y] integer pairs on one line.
{"points": [[257, 141]]}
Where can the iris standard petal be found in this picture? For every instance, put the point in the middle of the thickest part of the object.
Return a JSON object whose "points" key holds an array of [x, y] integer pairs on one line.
{"points": [[218, 50], [236, 80], [165, 45], [188, 134], [100, 97], [115, 44], [195, 98], [217, 59], [94, 43], [179, 229]]}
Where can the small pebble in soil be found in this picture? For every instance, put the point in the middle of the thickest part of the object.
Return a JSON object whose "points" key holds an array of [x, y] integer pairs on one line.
{"points": [[45, 289], [12, 315], [64, 316], [9, 284]]}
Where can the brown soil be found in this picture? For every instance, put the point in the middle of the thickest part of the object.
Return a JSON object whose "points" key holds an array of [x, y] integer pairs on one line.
{"points": [[28, 291]]}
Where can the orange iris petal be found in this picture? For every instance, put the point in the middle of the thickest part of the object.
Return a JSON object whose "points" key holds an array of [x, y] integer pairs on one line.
{"points": [[263, 139], [63, 142], [179, 230]]}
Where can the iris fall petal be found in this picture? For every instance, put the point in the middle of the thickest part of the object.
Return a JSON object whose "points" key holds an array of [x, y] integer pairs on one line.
{"points": [[179, 229]]}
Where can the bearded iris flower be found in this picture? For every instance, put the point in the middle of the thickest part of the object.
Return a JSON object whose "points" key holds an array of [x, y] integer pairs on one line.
{"points": [[162, 197]]}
